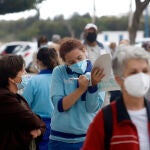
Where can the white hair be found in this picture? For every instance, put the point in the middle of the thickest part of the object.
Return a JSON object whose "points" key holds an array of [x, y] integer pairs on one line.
{"points": [[125, 53]]}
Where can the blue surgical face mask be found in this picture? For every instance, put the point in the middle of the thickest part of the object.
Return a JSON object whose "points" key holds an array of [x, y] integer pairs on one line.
{"points": [[79, 67], [24, 81]]}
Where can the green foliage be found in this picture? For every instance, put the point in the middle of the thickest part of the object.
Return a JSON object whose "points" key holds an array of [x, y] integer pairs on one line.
{"points": [[78, 22], [11, 6], [28, 29], [113, 23]]}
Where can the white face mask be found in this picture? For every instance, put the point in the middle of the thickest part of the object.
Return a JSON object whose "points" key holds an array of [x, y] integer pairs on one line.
{"points": [[24, 81], [137, 85]]}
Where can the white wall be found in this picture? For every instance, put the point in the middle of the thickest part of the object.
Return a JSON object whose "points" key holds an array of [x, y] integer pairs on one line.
{"points": [[114, 36]]}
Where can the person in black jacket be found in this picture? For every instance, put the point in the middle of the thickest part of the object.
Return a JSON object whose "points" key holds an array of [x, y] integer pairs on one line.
{"points": [[19, 125]]}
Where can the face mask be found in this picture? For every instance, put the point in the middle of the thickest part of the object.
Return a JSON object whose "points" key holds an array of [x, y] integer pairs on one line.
{"points": [[24, 81], [137, 85], [79, 67], [91, 37]]}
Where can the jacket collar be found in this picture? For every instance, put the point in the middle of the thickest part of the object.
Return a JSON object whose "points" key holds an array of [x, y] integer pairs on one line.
{"points": [[121, 109], [4, 91], [98, 43], [46, 71], [123, 114]]}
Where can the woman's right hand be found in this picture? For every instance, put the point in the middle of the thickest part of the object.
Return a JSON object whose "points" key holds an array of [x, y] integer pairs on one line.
{"points": [[83, 83]]}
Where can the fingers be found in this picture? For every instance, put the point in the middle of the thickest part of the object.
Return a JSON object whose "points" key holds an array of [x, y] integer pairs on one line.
{"points": [[83, 82], [38, 132], [83, 77], [98, 73], [96, 76], [35, 133]]}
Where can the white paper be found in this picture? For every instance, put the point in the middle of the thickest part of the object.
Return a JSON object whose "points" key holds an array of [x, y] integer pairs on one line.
{"points": [[104, 62], [108, 85]]}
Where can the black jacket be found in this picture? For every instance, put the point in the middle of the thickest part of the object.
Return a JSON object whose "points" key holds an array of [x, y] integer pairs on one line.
{"points": [[16, 122]]}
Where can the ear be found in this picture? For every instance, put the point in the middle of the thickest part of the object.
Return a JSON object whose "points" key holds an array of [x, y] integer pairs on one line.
{"points": [[84, 48], [38, 62], [119, 80], [11, 80]]}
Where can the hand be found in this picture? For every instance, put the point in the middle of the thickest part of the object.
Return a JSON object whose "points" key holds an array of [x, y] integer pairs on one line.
{"points": [[96, 76], [35, 133], [83, 82]]}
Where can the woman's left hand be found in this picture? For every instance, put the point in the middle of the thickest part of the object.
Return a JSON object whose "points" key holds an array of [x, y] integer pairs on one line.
{"points": [[35, 133], [96, 76]]}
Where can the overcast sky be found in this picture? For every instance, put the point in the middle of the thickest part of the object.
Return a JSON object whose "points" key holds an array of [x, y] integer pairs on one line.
{"points": [[52, 8]]}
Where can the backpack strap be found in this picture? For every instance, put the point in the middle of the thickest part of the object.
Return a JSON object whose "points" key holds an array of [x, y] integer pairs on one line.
{"points": [[108, 125]]}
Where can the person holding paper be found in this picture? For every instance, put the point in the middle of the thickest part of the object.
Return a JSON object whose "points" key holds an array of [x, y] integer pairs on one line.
{"points": [[75, 96], [129, 120]]}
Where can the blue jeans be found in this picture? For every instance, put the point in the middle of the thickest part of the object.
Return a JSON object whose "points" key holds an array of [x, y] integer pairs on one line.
{"points": [[57, 145], [43, 143]]}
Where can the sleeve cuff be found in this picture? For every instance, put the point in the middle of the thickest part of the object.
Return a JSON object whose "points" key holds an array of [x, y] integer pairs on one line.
{"points": [[60, 106], [92, 89]]}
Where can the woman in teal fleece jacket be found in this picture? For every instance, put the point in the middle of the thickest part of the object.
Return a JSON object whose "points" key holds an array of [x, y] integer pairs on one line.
{"points": [[37, 91], [75, 97]]}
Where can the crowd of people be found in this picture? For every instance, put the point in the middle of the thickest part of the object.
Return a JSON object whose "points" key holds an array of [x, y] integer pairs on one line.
{"points": [[62, 107]]}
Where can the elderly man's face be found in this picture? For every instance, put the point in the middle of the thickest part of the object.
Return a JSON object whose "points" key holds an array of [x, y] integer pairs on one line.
{"points": [[90, 35], [91, 30]]}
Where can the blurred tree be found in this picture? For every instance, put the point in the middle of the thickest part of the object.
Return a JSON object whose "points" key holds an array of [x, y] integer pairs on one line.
{"points": [[12, 6], [140, 6], [27, 29], [113, 23], [78, 23]]}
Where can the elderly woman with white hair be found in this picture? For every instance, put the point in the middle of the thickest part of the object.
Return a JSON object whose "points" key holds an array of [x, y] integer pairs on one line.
{"points": [[125, 123]]}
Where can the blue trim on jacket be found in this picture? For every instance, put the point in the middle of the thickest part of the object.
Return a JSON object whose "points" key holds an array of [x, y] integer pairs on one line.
{"points": [[92, 89], [100, 45], [46, 71], [66, 135], [60, 105]]}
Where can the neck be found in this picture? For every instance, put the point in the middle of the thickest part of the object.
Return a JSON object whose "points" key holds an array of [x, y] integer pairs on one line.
{"points": [[13, 88], [43, 68], [133, 103], [92, 44]]}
